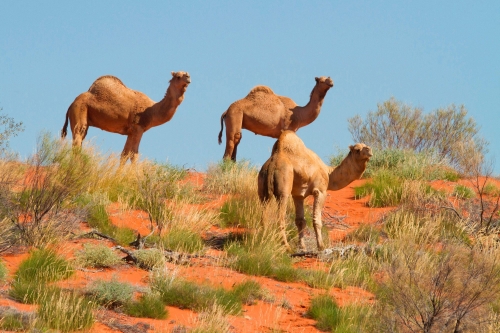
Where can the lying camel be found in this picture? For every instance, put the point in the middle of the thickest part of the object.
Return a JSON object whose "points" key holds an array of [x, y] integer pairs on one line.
{"points": [[112, 107], [265, 113], [294, 169]]}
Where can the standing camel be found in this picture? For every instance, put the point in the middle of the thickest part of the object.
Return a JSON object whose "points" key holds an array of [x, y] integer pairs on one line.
{"points": [[112, 107], [295, 170], [265, 113]]}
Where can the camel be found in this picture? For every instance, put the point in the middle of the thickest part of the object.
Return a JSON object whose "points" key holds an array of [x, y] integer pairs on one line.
{"points": [[295, 170], [265, 113], [113, 107]]}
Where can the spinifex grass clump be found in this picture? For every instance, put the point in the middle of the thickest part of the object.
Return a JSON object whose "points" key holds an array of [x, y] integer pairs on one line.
{"points": [[149, 305], [99, 256], [35, 272], [325, 311], [182, 240], [111, 293], [463, 192], [66, 311], [150, 258], [190, 295]]}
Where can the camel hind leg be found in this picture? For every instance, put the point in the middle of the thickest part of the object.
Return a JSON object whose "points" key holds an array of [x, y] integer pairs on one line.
{"points": [[319, 202], [77, 114], [233, 123], [300, 220]]}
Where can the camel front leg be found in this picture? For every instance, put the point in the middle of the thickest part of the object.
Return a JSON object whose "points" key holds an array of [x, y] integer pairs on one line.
{"points": [[319, 202], [131, 149], [300, 220]]}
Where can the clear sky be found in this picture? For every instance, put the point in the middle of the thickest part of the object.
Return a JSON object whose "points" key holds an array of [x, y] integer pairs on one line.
{"points": [[428, 54]]}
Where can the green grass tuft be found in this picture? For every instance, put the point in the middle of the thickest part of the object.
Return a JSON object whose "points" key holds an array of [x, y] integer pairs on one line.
{"points": [[111, 293], [326, 312], [463, 192], [150, 258], [148, 306], [99, 256], [183, 240], [3, 271]]}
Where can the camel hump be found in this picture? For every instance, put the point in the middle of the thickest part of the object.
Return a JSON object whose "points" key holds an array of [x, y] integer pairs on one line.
{"points": [[289, 142], [260, 89], [106, 78]]}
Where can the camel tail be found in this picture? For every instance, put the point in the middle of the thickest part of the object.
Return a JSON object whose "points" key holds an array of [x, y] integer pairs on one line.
{"points": [[221, 126], [64, 130]]}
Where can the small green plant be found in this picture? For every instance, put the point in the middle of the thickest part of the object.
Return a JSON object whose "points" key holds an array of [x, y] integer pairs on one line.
{"points": [[111, 293], [99, 256], [365, 233], [316, 278], [12, 322], [248, 292], [325, 311], [66, 311], [183, 240], [149, 305], [3, 271], [385, 190], [189, 295], [98, 219], [463, 192], [150, 258], [41, 267], [491, 189]]}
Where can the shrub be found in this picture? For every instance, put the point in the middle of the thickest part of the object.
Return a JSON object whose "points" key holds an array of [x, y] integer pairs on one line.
{"points": [[66, 311], [39, 208], [111, 293], [396, 125], [99, 256], [43, 266], [150, 305], [463, 192], [9, 128], [150, 258], [446, 290]]}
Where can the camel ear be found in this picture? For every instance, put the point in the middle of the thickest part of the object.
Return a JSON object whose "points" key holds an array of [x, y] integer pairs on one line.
{"points": [[351, 148], [173, 73], [317, 79]]}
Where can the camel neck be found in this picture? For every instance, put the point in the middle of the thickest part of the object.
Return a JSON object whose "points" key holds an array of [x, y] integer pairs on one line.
{"points": [[346, 172], [304, 115], [165, 109]]}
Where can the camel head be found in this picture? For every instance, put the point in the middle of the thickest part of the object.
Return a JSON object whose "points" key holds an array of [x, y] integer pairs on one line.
{"points": [[361, 152], [325, 80], [180, 79]]}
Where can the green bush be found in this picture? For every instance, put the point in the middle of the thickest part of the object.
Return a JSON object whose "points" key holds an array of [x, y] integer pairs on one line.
{"points": [[189, 295], [248, 292], [183, 240], [325, 311], [111, 293], [41, 267], [99, 256], [148, 306], [150, 258], [385, 190], [396, 125], [463, 192]]}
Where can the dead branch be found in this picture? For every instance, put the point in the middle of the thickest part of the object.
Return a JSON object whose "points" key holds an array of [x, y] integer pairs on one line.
{"points": [[93, 233]]}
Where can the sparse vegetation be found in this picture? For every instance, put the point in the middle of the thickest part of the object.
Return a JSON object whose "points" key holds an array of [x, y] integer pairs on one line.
{"points": [[150, 258], [463, 192], [8, 129], [3, 271]]}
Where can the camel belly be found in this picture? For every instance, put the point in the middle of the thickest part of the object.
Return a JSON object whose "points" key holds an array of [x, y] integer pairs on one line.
{"points": [[266, 127]]}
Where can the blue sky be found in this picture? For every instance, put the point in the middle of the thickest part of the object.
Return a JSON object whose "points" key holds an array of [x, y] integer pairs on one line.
{"points": [[428, 54]]}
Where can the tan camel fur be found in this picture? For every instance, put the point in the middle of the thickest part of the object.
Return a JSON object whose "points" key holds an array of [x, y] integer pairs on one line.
{"points": [[295, 170], [112, 107], [265, 113]]}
